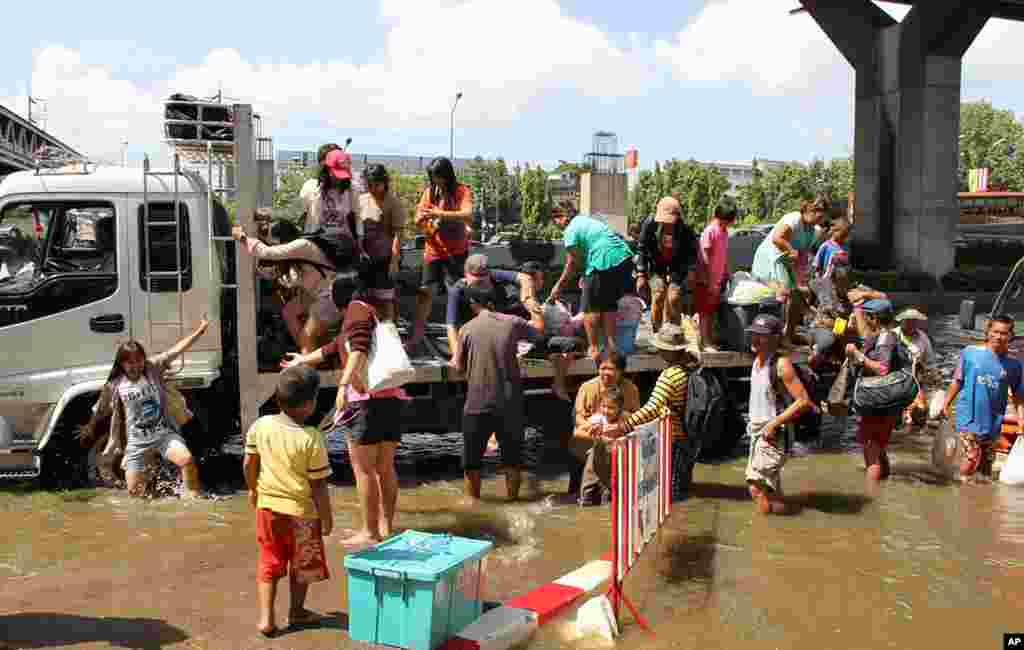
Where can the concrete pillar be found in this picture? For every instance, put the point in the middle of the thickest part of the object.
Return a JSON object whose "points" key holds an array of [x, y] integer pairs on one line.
{"points": [[907, 116], [926, 211]]}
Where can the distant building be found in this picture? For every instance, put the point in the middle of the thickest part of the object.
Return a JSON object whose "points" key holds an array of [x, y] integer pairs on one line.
{"points": [[738, 173], [290, 160], [564, 187]]}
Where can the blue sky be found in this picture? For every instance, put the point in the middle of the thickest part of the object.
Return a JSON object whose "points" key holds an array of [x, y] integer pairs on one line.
{"points": [[719, 80]]}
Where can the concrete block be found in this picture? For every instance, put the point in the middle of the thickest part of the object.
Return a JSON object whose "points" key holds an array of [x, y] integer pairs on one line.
{"points": [[498, 629], [547, 600], [588, 577]]}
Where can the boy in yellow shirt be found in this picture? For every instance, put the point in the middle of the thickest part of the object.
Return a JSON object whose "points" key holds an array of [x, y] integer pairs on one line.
{"points": [[286, 469]]}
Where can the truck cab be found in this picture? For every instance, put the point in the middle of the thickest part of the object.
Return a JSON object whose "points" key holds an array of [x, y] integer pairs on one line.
{"points": [[95, 256]]}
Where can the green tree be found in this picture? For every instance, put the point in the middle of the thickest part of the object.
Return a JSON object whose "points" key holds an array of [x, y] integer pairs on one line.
{"points": [[286, 202], [534, 202], [784, 187], [991, 137], [495, 191], [697, 188], [408, 189], [751, 197]]}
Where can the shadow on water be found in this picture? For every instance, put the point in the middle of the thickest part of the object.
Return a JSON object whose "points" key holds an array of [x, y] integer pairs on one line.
{"points": [[52, 630], [832, 503], [688, 559], [718, 491], [918, 473]]}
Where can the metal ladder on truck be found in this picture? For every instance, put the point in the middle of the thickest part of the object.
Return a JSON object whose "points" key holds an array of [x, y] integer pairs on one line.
{"points": [[240, 153], [149, 226]]}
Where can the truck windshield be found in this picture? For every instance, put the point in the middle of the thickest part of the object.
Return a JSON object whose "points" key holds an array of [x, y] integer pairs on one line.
{"points": [[51, 238]]}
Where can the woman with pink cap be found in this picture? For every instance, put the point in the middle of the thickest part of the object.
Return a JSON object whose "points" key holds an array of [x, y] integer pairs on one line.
{"points": [[304, 263], [329, 199]]}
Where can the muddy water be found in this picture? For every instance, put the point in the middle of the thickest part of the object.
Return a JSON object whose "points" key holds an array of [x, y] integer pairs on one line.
{"points": [[914, 563]]}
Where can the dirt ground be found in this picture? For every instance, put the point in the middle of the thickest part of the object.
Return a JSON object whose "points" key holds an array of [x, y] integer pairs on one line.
{"points": [[159, 576]]}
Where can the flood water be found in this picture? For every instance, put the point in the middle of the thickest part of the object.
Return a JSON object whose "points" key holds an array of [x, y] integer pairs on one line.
{"points": [[914, 563]]}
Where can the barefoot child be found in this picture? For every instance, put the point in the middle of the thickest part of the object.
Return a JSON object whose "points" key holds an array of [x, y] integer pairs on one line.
{"points": [[833, 252], [713, 266], [286, 470], [146, 415]]}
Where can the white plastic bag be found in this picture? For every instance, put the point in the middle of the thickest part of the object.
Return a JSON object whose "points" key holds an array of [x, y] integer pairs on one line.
{"points": [[388, 365], [935, 404], [1013, 470], [596, 617], [947, 451], [748, 292]]}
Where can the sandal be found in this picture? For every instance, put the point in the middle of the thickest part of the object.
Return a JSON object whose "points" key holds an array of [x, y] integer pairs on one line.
{"points": [[305, 618]]}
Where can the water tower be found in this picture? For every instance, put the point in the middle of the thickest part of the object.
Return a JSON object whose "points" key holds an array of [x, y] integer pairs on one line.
{"points": [[603, 185], [604, 156]]}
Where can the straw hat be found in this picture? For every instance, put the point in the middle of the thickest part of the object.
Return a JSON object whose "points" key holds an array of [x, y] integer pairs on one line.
{"points": [[910, 314], [671, 338]]}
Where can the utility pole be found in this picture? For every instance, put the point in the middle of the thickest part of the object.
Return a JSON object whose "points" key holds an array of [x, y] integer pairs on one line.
{"points": [[451, 131]]}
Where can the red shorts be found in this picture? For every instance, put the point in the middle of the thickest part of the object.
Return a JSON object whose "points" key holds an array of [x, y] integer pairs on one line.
{"points": [[706, 299], [290, 541], [876, 428]]}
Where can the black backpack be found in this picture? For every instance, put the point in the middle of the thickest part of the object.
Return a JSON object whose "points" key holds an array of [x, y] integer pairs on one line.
{"points": [[807, 425], [707, 406], [336, 245]]}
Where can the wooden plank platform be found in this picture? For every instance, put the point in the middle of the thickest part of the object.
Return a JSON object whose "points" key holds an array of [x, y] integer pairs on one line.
{"points": [[434, 369]]}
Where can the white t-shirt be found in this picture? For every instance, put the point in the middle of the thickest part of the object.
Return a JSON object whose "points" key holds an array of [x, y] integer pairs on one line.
{"points": [[762, 396], [328, 211], [599, 418], [143, 411]]}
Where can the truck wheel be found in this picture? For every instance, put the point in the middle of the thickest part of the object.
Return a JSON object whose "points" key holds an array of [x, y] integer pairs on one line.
{"points": [[65, 464]]}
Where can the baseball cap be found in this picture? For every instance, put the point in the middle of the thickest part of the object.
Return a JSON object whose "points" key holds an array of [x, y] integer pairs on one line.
{"points": [[767, 325], [340, 164], [477, 274], [476, 264], [668, 210], [877, 306]]}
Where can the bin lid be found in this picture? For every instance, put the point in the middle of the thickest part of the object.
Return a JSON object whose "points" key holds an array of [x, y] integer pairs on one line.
{"points": [[416, 555]]}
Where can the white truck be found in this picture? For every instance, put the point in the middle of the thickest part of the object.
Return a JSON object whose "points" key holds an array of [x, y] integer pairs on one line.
{"points": [[117, 253]]}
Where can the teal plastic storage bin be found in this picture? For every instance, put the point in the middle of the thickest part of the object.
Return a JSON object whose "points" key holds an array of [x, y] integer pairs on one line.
{"points": [[416, 590]]}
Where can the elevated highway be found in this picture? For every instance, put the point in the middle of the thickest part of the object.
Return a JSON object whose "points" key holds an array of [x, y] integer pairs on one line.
{"points": [[19, 139]]}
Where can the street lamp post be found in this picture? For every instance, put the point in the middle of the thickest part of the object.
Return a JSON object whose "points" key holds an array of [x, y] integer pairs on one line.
{"points": [[451, 131]]}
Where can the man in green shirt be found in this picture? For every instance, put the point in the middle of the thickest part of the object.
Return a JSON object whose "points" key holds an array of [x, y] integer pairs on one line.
{"points": [[607, 264]]}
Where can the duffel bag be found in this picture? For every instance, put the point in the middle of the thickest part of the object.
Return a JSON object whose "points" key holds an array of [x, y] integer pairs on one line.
{"points": [[896, 390]]}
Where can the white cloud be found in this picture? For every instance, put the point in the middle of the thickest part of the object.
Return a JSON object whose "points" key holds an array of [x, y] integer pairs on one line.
{"points": [[506, 57], [756, 43], [760, 44], [995, 53]]}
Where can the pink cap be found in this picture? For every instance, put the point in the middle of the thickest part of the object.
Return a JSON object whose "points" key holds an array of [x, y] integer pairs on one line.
{"points": [[340, 164]]}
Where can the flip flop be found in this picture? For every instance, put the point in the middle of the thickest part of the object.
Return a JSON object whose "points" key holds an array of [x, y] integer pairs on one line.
{"points": [[268, 634]]}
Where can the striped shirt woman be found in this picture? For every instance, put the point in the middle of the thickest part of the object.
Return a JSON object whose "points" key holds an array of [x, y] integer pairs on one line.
{"points": [[669, 399]]}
